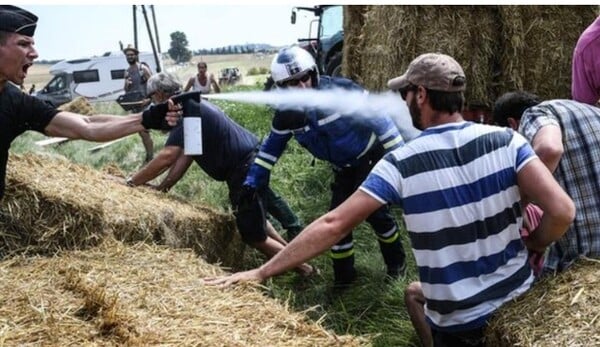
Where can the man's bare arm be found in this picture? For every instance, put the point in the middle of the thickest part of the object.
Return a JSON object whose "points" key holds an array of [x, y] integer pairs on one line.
{"points": [[165, 158], [318, 237], [178, 169], [538, 185], [93, 128], [548, 145]]}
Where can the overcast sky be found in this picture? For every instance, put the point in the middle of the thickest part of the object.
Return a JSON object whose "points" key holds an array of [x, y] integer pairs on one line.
{"points": [[70, 31]]}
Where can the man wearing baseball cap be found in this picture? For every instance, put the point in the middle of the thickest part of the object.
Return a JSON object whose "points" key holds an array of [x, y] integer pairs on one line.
{"points": [[460, 185], [20, 111]]}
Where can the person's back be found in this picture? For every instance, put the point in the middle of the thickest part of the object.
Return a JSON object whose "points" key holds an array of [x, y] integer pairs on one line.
{"points": [[457, 186], [336, 138], [225, 143], [577, 172]]}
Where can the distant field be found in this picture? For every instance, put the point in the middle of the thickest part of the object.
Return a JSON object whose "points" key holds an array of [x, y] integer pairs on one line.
{"points": [[39, 75]]}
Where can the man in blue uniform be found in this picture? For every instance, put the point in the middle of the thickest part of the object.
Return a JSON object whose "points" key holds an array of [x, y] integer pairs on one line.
{"points": [[352, 143]]}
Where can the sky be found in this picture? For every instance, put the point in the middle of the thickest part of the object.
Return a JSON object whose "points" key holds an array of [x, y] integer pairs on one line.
{"points": [[69, 31]]}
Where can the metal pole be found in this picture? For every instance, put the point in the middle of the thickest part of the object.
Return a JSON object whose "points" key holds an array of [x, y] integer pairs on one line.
{"points": [[135, 33], [158, 67], [155, 28]]}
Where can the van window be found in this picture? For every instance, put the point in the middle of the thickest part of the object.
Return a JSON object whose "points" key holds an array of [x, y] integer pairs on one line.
{"points": [[56, 84], [85, 76], [117, 74]]}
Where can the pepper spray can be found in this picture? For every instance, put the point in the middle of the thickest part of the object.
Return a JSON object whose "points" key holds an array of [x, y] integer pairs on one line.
{"points": [[192, 123]]}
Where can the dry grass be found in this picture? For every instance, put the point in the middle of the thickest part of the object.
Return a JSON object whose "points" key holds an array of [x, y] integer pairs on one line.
{"points": [[141, 295], [558, 311]]}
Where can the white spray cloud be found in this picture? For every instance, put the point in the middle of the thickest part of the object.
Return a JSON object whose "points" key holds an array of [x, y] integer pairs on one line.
{"points": [[346, 102]]}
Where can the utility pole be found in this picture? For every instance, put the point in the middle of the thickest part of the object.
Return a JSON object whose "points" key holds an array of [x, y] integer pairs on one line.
{"points": [[135, 33], [155, 28], [158, 67]]}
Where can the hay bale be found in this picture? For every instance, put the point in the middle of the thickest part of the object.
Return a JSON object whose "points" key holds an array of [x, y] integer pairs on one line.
{"points": [[561, 310], [538, 46], [43, 212], [78, 105], [354, 19], [500, 47], [394, 35], [55, 204], [142, 295]]}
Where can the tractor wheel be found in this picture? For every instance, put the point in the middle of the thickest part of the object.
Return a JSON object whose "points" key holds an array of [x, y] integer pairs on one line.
{"points": [[334, 67]]}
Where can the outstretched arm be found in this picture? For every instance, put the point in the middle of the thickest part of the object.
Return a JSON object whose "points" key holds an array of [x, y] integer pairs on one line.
{"points": [[93, 128], [318, 237], [108, 127]]}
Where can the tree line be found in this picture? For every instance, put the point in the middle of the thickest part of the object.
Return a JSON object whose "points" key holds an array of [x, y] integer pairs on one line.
{"points": [[180, 52]]}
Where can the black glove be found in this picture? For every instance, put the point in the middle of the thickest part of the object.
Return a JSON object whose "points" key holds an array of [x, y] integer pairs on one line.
{"points": [[154, 117], [250, 216], [248, 198]]}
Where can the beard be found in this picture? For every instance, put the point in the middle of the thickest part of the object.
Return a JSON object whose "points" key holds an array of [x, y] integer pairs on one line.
{"points": [[131, 60], [415, 114]]}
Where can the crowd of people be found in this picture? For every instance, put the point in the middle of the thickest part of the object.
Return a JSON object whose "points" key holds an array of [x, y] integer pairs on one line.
{"points": [[487, 208]]}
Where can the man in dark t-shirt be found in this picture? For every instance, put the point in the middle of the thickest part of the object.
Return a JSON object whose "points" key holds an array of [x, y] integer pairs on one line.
{"points": [[20, 111], [227, 152]]}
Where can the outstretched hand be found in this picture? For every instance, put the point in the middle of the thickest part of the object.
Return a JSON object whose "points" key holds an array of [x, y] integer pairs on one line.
{"points": [[228, 281]]}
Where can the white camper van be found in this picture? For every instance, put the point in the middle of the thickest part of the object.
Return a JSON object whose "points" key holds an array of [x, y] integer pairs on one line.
{"points": [[95, 78]]}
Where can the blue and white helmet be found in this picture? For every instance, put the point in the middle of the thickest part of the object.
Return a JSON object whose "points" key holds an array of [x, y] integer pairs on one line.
{"points": [[292, 62]]}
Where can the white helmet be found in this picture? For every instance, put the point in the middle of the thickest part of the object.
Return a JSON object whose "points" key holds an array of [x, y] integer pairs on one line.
{"points": [[292, 62]]}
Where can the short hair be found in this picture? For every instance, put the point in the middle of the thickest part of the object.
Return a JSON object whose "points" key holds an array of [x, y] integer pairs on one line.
{"points": [[446, 101], [513, 104], [202, 63], [163, 82]]}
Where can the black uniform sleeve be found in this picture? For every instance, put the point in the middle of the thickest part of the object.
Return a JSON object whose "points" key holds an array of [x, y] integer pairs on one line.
{"points": [[28, 112]]}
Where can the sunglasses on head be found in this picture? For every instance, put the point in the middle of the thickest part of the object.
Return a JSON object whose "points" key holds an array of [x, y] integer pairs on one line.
{"points": [[295, 81], [404, 90]]}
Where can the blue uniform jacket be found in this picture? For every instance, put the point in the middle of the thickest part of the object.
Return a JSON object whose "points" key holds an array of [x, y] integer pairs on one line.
{"points": [[341, 139]]}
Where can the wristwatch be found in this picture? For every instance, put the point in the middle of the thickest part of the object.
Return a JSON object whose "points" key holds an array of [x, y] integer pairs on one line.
{"points": [[129, 182]]}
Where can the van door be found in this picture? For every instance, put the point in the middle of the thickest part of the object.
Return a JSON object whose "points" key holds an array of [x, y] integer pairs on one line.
{"points": [[56, 91]]}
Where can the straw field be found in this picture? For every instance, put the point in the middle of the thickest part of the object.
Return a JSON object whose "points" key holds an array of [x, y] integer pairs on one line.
{"points": [[560, 310], [141, 295]]}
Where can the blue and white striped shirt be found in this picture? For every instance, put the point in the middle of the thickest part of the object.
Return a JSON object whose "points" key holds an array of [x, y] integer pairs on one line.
{"points": [[457, 184]]}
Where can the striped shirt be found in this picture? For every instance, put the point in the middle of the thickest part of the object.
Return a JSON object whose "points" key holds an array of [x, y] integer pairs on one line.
{"points": [[578, 173], [457, 184]]}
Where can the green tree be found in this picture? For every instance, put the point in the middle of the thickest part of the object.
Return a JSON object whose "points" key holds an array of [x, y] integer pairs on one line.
{"points": [[179, 51]]}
